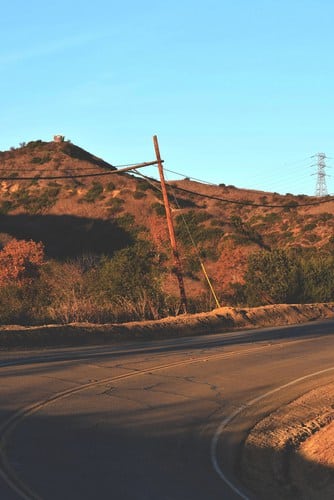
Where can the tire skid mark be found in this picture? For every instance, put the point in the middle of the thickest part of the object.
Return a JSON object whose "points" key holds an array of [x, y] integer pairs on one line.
{"points": [[6, 429]]}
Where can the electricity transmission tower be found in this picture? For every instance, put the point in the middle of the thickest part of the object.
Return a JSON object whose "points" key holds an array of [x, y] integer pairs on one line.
{"points": [[321, 186]]}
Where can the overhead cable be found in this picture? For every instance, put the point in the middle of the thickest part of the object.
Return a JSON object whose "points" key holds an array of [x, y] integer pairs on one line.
{"points": [[250, 203], [79, 176]]}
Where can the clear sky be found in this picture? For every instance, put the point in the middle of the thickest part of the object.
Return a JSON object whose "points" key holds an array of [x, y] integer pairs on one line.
{"points": [[238, 91]]}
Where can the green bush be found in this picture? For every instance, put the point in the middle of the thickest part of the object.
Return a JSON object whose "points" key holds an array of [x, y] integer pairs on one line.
{"points": [[312, 238], [110, 186], [318, 274], [192, 222], [24, 305], [40, 160], [159, 209], [115, 206], [324, 217], [5, 207], [272, 277], [131, 275], [272, 218], [143, 185], [138, 195], [93, 194], [37, 201], [310, 226], [289, 276], [245, 232]]}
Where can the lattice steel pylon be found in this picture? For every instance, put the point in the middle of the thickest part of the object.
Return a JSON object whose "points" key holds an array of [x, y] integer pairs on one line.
{"points": [[321, 186]]}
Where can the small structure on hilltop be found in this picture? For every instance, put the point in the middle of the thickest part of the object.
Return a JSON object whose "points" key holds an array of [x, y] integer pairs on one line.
{"points": [[58, 138]]}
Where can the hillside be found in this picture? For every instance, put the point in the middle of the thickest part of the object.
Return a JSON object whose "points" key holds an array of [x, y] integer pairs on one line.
{"points": [[98, 215]]}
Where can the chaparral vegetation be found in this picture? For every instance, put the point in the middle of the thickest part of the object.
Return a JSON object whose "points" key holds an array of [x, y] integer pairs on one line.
{"points": [[96, 249]]}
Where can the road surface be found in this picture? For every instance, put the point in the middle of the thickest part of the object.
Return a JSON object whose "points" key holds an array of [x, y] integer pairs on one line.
{"points": [[149, 420]]}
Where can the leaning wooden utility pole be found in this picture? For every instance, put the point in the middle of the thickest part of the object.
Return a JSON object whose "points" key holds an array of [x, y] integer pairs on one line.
{"points": [[177, 262]]}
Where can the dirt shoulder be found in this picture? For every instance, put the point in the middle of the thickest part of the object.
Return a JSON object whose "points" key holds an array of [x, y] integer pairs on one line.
{"points": [[290, 453], [218, 320]]}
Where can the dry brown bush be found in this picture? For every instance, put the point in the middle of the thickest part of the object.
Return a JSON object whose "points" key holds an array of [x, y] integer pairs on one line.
{"points": [[20, 262]]}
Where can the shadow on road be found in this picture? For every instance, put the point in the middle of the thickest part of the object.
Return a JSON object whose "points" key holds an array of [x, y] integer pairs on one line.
{"points": [[141, 451], [102, 345]]}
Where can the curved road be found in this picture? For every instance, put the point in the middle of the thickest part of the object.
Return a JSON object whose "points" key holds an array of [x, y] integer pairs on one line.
{"points": [[152, 420]]}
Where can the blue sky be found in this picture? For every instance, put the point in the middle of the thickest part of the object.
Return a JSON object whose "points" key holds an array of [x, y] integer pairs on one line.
{"points": [[239, 92]]}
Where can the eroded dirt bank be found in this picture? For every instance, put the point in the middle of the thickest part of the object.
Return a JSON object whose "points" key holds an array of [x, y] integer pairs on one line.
{"points": [[218, 320], [290, 453]]}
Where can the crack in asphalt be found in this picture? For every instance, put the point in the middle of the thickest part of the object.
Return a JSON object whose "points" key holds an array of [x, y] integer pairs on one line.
{"points": [[112, 393]]}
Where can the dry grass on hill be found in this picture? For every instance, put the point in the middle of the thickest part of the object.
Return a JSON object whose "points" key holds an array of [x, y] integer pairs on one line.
{"points": [[225, 233]]}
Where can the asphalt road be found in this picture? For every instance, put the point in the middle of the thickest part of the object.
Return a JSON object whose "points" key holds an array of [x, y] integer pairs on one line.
{"points": [[148, 421]]}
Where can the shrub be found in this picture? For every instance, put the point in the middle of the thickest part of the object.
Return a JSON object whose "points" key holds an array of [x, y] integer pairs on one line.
{"points": [[143, 185], [115, 205], [110, 186], [246, 233], [272, 277], [93, 194], [318, 273], [312, 238], [40, 159], [272, 217], [158, 208], [34, 144], [139, 195], [310, 226], [5, 207], [288, 235], [128, 223], [130, 275], [184, 203], [20, 262], [289, 276], [324, 217], [290, 204], [37, 202]]}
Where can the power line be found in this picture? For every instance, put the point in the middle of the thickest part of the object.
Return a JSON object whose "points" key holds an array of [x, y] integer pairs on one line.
{"points": [[151, 180], [250, 203], [189, 177], [130, 167], [42, 171], [79, 176]]}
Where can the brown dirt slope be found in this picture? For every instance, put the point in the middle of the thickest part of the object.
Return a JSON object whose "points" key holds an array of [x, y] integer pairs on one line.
{"points": [[225, 232], [290, 453]]}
